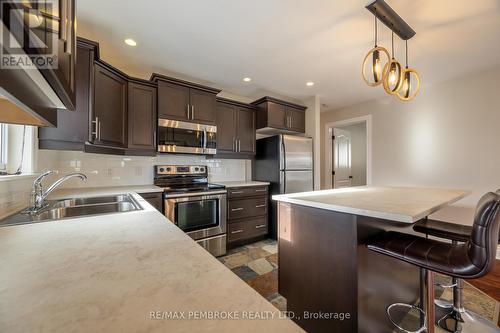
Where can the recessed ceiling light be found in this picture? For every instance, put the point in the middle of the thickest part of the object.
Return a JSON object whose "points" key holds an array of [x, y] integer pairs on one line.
{"points": [[130, 42], [247, 79], [310, 84]]}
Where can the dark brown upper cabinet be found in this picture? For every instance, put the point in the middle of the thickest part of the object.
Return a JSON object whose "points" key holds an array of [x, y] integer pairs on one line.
{"points": [[141, 116], [235, 128], [275, 115], [109, 111], [115, 113], [185, 101]]}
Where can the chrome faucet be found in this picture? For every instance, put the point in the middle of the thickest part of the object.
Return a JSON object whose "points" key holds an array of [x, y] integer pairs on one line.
{"points": [[38, 196]]}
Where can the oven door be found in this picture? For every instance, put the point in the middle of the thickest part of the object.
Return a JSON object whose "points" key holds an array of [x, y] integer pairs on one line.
{"points": [[183, 137], [198, 215]]}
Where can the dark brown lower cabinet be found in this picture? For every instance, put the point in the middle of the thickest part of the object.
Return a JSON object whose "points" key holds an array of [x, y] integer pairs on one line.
{"points": [[154, 199], [246, 215]]}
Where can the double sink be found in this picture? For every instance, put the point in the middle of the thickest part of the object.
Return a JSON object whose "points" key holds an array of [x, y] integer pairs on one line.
{"points": [[75, 207]]}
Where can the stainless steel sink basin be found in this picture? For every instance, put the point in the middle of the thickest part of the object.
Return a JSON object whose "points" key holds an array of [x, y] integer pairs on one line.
{"points": [[76, 207], [75, 202]]}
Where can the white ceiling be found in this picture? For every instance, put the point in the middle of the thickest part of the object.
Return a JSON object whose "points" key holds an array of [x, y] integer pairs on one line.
{"points": [[282, 44]]}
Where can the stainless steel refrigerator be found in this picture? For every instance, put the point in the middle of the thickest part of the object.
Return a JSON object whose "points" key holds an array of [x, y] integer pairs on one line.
{"points": [[286, 161]]}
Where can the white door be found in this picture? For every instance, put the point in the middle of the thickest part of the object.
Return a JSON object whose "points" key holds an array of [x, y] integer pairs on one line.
{"points": [[341, 158]]}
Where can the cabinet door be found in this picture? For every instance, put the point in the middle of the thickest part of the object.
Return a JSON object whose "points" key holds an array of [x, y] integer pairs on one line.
{"points": [[276, 115], [110, 107], [246, 130], [72, 127], [226, 128], [203, 105], [297, 120], [141, 116], [173, 101]]}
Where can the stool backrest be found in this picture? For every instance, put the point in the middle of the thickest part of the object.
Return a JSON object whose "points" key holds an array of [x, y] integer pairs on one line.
{"points": [[482, 245]]}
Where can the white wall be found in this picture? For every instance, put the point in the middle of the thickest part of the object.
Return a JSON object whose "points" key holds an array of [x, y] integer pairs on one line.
{"points": [[358, 153], [313, 117], [449, 136]]}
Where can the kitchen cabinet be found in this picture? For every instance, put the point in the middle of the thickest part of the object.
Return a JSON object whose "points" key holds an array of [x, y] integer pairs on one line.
{"points": [[235, 128], [72, 131], [141, 116], [115, 113], [274, 116], [185, 101], [247, 214], [109, 111]]}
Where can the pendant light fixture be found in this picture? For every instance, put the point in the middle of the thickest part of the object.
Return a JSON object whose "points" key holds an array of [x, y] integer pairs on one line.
{"points": [[403, 83], [408, 90], [393, 73], [373, 65]]}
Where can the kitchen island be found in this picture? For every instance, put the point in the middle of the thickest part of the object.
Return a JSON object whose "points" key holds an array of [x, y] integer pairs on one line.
{"points": [[330, 280], [125, 272]]}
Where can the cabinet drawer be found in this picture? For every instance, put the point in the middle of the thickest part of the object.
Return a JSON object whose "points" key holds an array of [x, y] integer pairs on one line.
{"points": [[240, 192], [247, 229], [243, 208]]}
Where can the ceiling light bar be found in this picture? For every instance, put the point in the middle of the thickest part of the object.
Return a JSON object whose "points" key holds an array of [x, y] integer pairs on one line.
{"points": [[391, 19]]}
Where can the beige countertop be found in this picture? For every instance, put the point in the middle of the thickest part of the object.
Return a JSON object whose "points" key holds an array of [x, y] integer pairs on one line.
{"points": [[98, 191], [401, 204], [109, 273], [230, 184]]}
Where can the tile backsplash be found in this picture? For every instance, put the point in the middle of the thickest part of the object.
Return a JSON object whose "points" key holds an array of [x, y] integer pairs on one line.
{"points": [[110, 170]]}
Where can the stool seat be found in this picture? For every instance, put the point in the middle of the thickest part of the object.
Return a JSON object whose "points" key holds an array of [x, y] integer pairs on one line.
{"points": [[445, 258]]}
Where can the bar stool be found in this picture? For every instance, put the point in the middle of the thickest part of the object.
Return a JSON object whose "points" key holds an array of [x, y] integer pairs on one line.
{"points": [[458, 319], [469, 260]]}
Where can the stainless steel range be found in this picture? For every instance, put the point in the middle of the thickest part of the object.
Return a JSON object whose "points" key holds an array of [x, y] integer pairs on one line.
{"points": [[194, 205]]}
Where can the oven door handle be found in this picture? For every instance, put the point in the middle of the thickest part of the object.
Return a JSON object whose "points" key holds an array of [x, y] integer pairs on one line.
{"points": [[201, 195]]}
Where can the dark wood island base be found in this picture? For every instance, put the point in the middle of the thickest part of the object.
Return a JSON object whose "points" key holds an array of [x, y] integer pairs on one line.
{"points": [[332, 283]]}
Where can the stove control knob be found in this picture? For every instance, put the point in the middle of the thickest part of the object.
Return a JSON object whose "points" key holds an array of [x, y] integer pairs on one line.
{"points": [[202, 169], [162, 169], [169, 169], [196, 169]]}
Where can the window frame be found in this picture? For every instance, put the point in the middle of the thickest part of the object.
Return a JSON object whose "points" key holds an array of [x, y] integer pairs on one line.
{"points": [[4, 144]]}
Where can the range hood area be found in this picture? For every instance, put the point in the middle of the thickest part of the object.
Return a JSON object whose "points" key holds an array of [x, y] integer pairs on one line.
{"points": [[37, 71]]}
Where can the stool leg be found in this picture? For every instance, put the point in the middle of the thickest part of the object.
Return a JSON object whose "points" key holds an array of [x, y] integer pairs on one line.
{"points": [[461, 320], [429, 304]]}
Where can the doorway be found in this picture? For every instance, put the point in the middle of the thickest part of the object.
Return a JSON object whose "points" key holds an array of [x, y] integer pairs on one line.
{"points": [[348, 153]]}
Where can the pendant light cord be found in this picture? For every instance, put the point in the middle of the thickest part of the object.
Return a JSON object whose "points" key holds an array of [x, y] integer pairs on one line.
{"points": [[392, 44], [406, 53], [376, 32]]}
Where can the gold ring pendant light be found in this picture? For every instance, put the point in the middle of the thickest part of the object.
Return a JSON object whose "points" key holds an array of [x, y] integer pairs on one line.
{"points": [[393, 73], [374, 76], [409, 91]]}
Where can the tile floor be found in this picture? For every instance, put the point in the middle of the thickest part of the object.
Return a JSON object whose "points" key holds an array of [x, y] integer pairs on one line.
{"points": [[257, 265]]}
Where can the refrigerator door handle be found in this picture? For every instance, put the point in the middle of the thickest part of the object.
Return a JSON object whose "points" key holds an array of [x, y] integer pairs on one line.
{"points": [[282, 153], [282, 182]]}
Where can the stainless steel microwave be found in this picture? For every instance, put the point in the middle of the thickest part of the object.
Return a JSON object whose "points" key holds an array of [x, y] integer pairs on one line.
{"points": [[186, 138]]}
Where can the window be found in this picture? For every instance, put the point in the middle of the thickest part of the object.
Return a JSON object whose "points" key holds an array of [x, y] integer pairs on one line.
{"points": [[3, 148]]}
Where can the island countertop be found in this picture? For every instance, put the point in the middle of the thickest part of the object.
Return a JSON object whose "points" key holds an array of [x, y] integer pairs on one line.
{"points": [[400, 204], [123, 272]]}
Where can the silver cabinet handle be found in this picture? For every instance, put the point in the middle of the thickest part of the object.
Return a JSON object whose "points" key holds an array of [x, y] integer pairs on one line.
{"points": [[237, 192], [260, 206], [261, 190], [192, 112], [238, 144], [188, 114], [260, 226], [237, 231], [99, 131], [236, 209], [96, 132]]}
